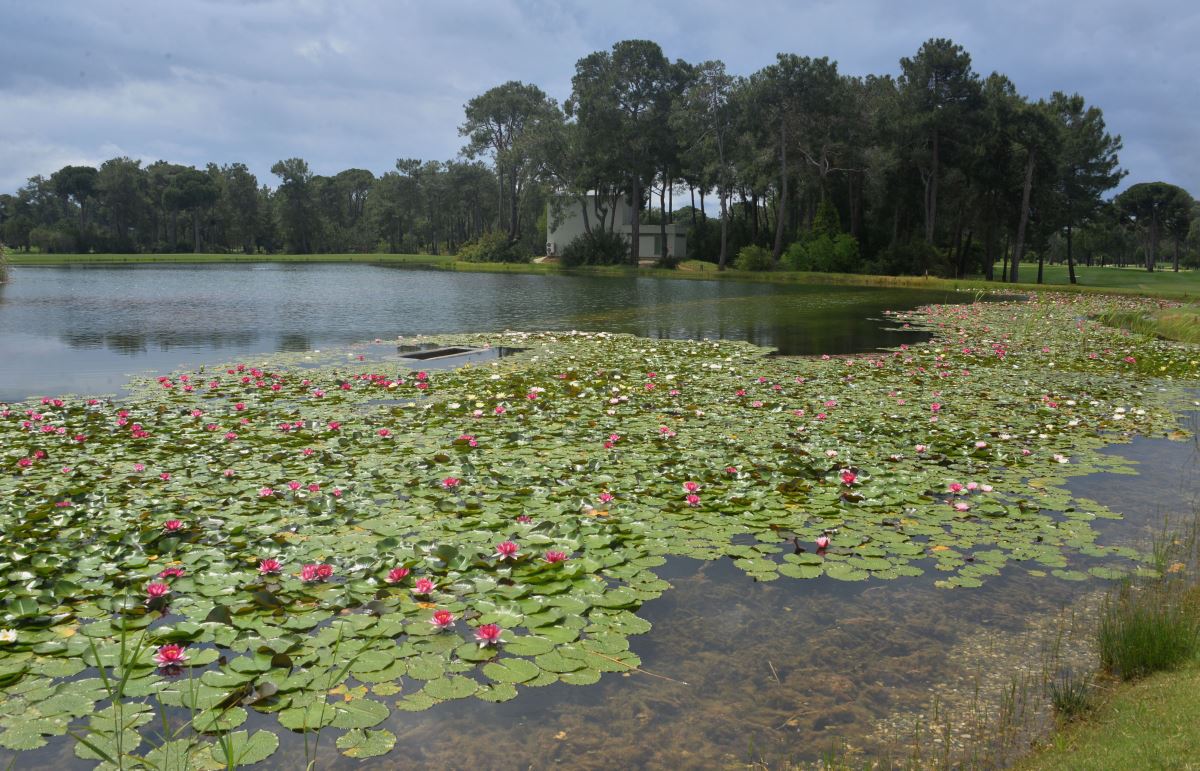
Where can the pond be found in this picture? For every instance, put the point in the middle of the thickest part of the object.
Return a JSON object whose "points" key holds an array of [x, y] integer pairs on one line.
{"points": [[740, 666], [83, 329]]}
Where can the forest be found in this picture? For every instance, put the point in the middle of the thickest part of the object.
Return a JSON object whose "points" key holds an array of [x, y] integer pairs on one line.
{"points": [[935, 170]]}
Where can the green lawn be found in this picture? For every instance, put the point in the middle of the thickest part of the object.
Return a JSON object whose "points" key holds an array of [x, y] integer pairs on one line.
{"points": [[1184, 285], [1153, 723]]}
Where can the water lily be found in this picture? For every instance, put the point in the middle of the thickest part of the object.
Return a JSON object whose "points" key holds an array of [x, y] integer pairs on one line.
{"points": [[315, 572], [488, 634], [442, 619], [171, 573], [693, 500], [955, 487], [173, 525], [396, 575], [849, 477], [269, 566], [8, 635], [822, 542], [156, 590], [170, 655], [606, 497], [423, 586], [524, 519], [506, 550], [554, 557], [450, 483], [691, 487]]}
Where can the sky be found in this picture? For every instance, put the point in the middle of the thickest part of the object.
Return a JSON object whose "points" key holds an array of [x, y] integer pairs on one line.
{"points": [[360, 83]]}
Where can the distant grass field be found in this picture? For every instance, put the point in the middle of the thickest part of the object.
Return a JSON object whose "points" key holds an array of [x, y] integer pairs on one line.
{"points": [[1184, 285]]}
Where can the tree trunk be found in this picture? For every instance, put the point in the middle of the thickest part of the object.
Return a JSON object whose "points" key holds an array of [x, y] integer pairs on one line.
{"points": [[781, 208], [1019, 247], [1175, 259], [931, 191], [636, 201], [514, 221], [1070, 257], [1152, 252], [692, 190], [662, 219], [587, 222], [753, 210], [196, 230], [724, 195]]}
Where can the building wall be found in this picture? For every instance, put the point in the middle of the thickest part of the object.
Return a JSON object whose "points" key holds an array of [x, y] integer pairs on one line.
{"points": [[571, 227]]}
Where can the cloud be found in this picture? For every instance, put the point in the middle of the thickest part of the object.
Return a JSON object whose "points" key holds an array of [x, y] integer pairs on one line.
{"points": [[360, 84]]}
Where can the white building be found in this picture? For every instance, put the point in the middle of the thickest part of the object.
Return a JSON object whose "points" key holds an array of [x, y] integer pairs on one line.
{"points": [[569, 225]]}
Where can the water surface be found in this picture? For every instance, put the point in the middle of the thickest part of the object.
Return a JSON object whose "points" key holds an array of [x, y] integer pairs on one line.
{"points": [[84, 328]]}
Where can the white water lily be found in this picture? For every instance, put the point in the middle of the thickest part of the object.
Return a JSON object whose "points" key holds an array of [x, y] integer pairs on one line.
{"points": [[8, 635]]}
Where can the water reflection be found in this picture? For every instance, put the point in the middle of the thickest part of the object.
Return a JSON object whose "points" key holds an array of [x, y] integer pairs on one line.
{"points": [[83, 328]]}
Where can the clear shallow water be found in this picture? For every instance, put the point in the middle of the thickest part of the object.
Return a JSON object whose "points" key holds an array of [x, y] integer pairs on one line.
{"points": [[83, 329]]}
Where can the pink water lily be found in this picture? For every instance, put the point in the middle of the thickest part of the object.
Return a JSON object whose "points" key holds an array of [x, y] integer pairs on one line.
{"points": [[488, 634], [849, 477], [170, 655], [451, 482], [423, 586], [524, 519], [396, 575], [554, 557], [693, 500], [691, 487], [822, 542], [442, 619], [171, 573], [269, 566], [506, 550], [157, 590], [955, 487], [315, 572], [606, 497], [265, 492], [173, 525]]}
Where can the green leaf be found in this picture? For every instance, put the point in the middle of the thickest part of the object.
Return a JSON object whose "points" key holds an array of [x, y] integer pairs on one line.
{"points": [[245, 749], [359, 743]]}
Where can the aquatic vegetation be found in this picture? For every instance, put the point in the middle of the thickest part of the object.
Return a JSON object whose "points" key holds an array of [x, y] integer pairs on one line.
{"points": [[334, 542]]}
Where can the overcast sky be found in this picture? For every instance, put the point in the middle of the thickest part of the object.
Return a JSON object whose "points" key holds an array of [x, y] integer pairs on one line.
{"points": [[358, 83]]}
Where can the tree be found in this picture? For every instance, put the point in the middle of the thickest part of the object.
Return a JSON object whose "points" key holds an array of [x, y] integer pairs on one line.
{"points": [[1036, 137], [705, 121], [1087, 163], [621, 100], [939, 90], [504, 122], [77, 183], [192, 190], [122, 189], [296, 203], [1148, 207]]}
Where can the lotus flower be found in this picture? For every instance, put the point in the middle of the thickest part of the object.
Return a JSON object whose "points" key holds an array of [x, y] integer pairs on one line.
{"points": [[488, 634], [269, 567], [170, 655], [506, 550], [442, 619], [396, 575]]}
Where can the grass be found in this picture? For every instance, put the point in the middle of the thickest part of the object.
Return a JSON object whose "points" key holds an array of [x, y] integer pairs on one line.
{"points": [[1153, 723], [1181, 324], [1163, 283]]}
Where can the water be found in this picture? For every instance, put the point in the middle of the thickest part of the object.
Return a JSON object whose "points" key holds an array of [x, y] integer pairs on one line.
{"points": [[734, 672], [85, 328]]}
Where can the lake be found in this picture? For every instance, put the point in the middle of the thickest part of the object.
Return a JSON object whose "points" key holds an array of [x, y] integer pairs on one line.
{"points": [[83, 329], [735, 672]]}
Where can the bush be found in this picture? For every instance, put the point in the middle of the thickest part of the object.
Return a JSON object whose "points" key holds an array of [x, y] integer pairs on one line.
{"points": [[756, 258], [824, 254], [52, 241], [599, 247], [912, 258], [492, 247], [1071, 695]]}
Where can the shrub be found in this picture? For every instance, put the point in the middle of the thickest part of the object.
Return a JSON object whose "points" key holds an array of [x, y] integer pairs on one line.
{"points": [[911, 258], [754, 258], [600, 247], [824, 253], [492, 247]]}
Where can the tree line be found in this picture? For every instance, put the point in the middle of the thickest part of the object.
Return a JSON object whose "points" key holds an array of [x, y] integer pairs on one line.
{"points": [[936, 170]]}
